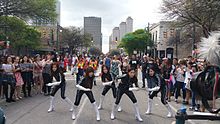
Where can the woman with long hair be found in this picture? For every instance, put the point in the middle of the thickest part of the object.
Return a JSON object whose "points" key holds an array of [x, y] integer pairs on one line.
{"points": [[107, 78], [37, 73], [156, 84], [26, 73], [58, 76], [8, 79], [47, 74], [19, 80], [126, 83], [85, 87]]}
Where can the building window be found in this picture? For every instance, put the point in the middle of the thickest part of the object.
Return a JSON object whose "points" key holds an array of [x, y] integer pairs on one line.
{"points": [[153, 37], [165, 34], [171, 32]]}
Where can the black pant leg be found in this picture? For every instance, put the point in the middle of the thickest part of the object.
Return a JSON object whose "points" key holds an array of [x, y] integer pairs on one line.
{"points": [[118, 96], [90, 96], [29, 82], [47, 79], [63, 89], [163, 95], [152, 94], [105, 90], [114, 91], [5, 89], [130, 94], [55, 89], [12, 87], [78, 97]]}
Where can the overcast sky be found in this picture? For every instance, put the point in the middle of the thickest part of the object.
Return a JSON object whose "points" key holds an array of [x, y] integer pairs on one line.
{"points": [[112, 13]]}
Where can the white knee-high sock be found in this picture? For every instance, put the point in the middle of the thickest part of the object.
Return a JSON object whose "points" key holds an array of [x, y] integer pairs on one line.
{"points": [[51, 108], [101, 102], [70, 103], [150, 102], [97, 111], [113, 111], [137, 113]]}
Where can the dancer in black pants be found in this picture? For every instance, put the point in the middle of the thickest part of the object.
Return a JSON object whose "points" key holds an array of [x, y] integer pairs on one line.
{"points": [[59, 83], [85, 86], [8, 79], [106, 77], [156, 84], [124, 88]]}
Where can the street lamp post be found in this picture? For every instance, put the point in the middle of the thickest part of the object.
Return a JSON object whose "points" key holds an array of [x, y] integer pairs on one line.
{"points": [[57, 43]]}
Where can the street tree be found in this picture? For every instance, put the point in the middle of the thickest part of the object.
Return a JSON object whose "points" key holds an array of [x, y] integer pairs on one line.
{"points": [[137, 40], [201, 13], [29, 9], [75, 39], [20, 35]]}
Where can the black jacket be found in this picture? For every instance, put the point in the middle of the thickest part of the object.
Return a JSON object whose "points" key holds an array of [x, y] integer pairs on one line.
{"points": [[59, 76], [127, 82], [87, 82], [107, 76]]}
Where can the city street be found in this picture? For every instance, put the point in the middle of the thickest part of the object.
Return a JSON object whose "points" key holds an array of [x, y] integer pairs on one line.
{"points": [[34, 110]]}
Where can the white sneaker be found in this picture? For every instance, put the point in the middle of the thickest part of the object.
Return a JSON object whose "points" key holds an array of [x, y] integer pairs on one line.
{"points": [[119, 109], [169, 115], [73, 116], [138, 118], [100, 107], [98, 118], [71, 109], [112, 116], [50, 109]]}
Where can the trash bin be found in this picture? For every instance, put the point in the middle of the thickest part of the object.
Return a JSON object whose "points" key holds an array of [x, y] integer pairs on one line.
{"points": [[181, 116]]}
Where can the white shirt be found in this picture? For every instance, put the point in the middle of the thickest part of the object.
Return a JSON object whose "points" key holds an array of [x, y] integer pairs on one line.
{"points": [[188, 76], [179, 75], [74, 60]]}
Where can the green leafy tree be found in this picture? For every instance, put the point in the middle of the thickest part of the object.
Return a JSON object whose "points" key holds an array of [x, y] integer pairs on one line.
{"points": [[137, 40], [203, 13], [29, 9], [20, 35], [75, 39]]}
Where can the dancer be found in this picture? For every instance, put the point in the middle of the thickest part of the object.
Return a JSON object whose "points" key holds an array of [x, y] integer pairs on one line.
{"points": [[155, 85], [127, 81], [106, 77], [60, 83], [85, 86]]}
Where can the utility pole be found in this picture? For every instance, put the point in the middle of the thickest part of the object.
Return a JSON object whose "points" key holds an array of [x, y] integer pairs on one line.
{"points": [[194, 31], [57, 43]]}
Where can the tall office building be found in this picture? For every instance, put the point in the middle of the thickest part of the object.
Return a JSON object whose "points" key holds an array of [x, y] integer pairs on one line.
{"points": [[114, 38], [119, 32], [129, 24], [123, 30], [92, 25]]}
